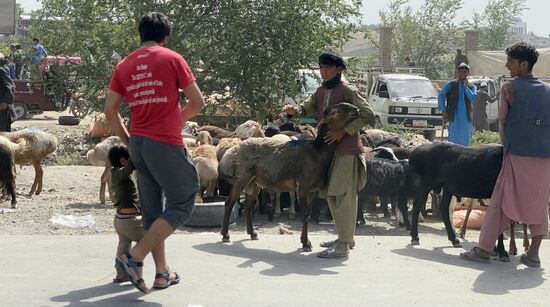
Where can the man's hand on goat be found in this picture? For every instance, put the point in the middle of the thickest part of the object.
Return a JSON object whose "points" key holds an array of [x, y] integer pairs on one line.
{"points": [[334, 135], [3, 106]]}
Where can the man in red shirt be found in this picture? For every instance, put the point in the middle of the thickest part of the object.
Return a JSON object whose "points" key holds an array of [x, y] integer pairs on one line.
{"points": [[149, 80]]}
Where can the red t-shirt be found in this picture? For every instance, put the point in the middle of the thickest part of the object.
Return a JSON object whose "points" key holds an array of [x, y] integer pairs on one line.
{"points": [[149, 79]]}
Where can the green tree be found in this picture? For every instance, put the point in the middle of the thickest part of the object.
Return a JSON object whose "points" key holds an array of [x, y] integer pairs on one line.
{"points": [[252, 47], [494, 23], [427, 35]]}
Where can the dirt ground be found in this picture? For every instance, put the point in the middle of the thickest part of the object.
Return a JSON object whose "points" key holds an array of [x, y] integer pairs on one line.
{"points": [[74, 190]]}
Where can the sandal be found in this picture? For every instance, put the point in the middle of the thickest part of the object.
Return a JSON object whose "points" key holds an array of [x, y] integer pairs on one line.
{"points": [[119, 280], [333, 243], [332, 253], [534, 263], [134, 265], [477, 255], [169, 281]]}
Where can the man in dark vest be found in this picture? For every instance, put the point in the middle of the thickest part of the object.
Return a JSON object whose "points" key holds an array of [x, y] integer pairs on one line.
{"points": [[348, 170], [455, 103], [523, 185], [7, 92]]}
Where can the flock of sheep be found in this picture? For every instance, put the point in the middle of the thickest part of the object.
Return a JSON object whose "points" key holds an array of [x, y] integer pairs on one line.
{"points": [[296, 159]]}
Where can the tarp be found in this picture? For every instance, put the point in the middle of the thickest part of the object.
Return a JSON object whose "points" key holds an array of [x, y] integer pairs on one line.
{"points": [[491, 63]]}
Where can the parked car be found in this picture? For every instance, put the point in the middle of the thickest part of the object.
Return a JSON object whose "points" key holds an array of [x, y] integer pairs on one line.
{"points": [[405, 100]]}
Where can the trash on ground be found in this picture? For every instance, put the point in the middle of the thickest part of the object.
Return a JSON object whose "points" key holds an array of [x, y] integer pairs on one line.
{"points": [[73, 221]]}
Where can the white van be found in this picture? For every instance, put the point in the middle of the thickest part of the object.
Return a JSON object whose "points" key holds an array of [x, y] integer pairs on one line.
{"points": [[405, 100]]}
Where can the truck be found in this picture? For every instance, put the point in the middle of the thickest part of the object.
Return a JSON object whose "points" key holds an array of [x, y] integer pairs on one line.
{"points": [[402, 98]]}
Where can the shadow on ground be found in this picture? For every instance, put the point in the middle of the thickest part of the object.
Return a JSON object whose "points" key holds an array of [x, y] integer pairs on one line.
{"points": [[496, 278], [93, 296], [282, 264]]}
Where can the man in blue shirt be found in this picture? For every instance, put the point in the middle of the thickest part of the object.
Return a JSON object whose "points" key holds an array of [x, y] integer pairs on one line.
{"points": [[455, 103], [40, 51]]}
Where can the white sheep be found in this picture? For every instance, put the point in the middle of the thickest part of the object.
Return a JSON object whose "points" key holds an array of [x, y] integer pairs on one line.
{"points": [[39, 145]]}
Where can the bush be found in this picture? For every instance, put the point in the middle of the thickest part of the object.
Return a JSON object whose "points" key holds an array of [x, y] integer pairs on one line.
{"points": [[485, 137]]}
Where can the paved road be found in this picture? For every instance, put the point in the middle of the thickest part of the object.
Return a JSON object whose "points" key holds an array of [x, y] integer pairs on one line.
{"points": [[381, 271]]}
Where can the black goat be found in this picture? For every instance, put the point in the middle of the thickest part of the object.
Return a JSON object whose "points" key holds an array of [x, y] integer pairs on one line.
{"points": [[7, 173], [389, 180], [300, 166], [459, 171]]}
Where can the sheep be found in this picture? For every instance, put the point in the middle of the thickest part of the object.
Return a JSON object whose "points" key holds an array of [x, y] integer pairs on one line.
{"points": [[98, 157], [206, 163], [7, 171], [190, 128], [300, 166], [217, 132], [459, 171], [389, 178], [249, 129], [40, 144], [203, 138]]}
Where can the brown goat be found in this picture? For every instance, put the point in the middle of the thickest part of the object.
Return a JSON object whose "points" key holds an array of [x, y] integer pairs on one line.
{"points": [[276, 166], [98, 157]]}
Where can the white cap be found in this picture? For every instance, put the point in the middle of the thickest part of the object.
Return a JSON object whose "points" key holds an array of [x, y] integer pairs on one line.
{"points": [[483, 84]]}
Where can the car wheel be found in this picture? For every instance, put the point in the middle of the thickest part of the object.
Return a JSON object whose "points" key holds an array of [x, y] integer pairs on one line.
{"points": [[20, 110], [69, 120]]}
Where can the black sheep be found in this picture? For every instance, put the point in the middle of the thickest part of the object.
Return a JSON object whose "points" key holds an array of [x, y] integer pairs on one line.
{"points": [[459, 171], [7, 173]]}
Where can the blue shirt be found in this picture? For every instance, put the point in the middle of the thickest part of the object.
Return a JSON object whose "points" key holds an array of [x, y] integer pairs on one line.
{"points": [[40, 54], [460, 129]]}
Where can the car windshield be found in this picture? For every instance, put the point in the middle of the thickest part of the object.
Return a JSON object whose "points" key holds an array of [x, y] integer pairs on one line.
{"points": [[415, 88], [310, 82]]}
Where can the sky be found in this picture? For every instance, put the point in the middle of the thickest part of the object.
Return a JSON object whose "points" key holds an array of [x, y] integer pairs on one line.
{"points": [[534, 16]]}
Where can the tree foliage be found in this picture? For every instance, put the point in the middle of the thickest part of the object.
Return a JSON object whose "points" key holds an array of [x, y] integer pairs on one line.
{"points": [[426, 36], [252, 47], [494, 23]]}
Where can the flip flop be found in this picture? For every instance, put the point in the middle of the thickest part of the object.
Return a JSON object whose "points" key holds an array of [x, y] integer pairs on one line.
{"points": [[332, 253], [333, 243], [134, 265], [475, 255], [529, 262], [120, 280], [169, 281]]}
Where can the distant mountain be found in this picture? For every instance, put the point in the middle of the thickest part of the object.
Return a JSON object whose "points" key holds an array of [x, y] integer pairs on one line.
{"points": [[360, 46]]}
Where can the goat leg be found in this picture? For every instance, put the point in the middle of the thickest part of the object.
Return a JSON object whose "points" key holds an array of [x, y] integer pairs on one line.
{"points": [[513, 247], [304, 201], [10, 187], [444, 208], [403, 210], [229, 204], [525, 238], [249, 207], [465, 222], [419, 201], [501, 251], [103, 183], [292, 209]]}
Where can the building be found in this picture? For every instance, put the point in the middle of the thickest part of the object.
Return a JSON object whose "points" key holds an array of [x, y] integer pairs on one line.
{"points": [[518, 26]]}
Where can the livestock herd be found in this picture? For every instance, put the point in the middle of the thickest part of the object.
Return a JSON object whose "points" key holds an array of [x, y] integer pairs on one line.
{"points": [[296, 159]]}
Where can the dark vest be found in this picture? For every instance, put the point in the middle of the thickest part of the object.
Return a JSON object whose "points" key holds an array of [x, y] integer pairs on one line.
{"points": [[452, 102], [527, 130], [349, 144]]}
